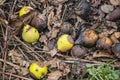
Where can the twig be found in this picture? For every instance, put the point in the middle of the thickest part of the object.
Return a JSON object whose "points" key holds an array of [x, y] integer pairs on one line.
{"points": [[5, 49], [15, 66], [30, 49], [23, 53], [13, 6], [64, 12], [11, 64], [10, 74]]}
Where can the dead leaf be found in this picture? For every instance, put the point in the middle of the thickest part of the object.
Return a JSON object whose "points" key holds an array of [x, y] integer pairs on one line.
{"points": [[24, 71], [59, 10], [17, 58], [50, 17], [101, 54], [112, 24], [53, 52], [54, 32], [43, 39], [65, 69], [45, 48], [53, 63], [115, 2], [62, 66], [96, 3], [54, 75]]}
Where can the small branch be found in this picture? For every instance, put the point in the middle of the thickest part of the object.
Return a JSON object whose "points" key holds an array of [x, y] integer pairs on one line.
{"points": [[5, 49], [11, 64], [30, 49], [10, 74]]}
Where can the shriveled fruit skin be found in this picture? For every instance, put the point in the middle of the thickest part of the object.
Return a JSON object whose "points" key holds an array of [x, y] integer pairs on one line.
{"points": [[38, 70], [104, 43], [65, 43], [115, 15], [25, 10], [87, 38], [116, 50], [39, 21], [30, 34], [79, 51]]}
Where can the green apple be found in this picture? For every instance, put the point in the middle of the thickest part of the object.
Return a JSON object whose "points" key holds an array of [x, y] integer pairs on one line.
{"points": [[30, 34]]}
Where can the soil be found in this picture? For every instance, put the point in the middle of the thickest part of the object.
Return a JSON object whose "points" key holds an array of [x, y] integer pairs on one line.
{"points": [[56, 18]]}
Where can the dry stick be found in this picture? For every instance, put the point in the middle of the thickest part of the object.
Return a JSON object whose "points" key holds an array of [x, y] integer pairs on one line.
{"points": [[94, 64], [9, 63], [77, 60], [64, 12], [31, 50], [10, 74], [5, 50], [15, 66], [13, 6], [23, 53]]}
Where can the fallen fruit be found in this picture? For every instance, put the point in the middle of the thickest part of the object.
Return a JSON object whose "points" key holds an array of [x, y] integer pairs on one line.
{"points": [[116, 49], [104, 43], [114, 15], [65, 43], [115, 2], [39, 21], [25, 10], [79, 51], [83, 9], [87, 38], [38, 70], [30, 34], [66, 28], [115, 37]]}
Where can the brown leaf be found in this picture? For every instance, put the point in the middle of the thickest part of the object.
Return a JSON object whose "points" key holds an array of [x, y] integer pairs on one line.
{"points": [[54, 75], [17, 58], [45, 48], [59, 9], [50, 17], [53, 63], [54, 32], [24, 71], [43, 39], [53, 52], [96, 3], [64, 68]]}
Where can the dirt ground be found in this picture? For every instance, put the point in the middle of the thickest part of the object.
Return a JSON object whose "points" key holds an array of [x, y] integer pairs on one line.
{"points": [[58, 17]]}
